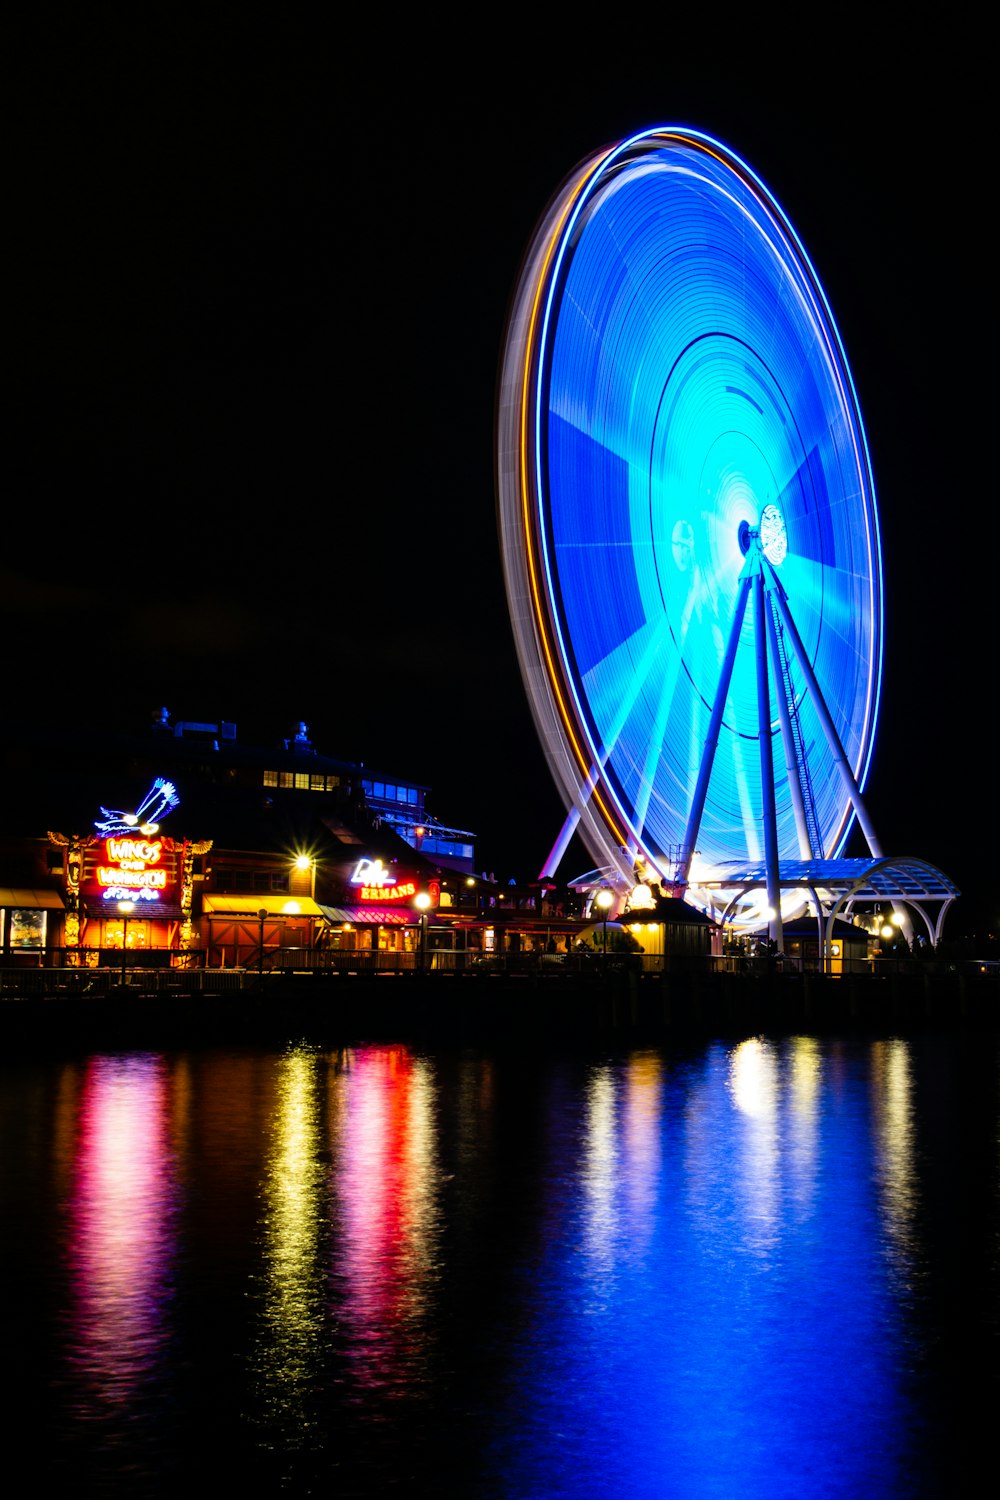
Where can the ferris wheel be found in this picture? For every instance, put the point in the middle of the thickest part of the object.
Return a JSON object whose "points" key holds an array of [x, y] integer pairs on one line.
{"points": [[688, 521]]}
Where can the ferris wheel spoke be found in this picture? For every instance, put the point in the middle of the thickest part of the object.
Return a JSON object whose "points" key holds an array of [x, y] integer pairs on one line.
{"points": [[616, 684]]}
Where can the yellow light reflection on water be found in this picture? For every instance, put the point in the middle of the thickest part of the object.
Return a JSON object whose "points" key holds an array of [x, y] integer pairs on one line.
{"points": [[892, 1105], [752, 1078], [293, 1312], [599, 1171], [754, 1089], [801, 1150], [620, 1165], [640, 1145]]}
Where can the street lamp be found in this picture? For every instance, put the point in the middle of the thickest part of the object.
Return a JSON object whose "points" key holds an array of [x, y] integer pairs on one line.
{"points": [[304, 862], [260, 947], [422, 901], [125, 907], [604, 899]]}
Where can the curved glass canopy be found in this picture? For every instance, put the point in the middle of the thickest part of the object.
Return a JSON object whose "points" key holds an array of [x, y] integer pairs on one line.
{"points": [[676, 413]]}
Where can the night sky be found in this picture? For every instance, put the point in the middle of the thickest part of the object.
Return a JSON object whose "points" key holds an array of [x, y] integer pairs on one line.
{"points": [[258, 302]]}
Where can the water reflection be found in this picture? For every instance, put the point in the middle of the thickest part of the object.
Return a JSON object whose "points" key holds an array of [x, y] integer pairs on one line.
{"points": [[754, 1089], [892, 1108], [805, 1083], [120, 1240], [386, 1212], [598, 1180], [712, 1316], [641, 1130], [724, 1272], [289, 1349]]}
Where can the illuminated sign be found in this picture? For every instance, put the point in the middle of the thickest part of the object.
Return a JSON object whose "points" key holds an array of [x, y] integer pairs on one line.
{"points": [[131, 870], [641, 898], [376, 883], [159, 800]]}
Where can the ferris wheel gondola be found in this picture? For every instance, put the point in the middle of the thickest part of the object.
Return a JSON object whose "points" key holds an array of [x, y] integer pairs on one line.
{"points": [[688, 520]]}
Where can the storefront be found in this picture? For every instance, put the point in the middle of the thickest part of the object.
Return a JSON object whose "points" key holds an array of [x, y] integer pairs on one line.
{"points": [[127, 888], [848, 951], [379, 908], [129, 894], [30, 922], [249, 932]]}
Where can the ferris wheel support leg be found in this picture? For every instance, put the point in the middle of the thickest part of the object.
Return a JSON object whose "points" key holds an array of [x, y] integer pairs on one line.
{"points": [[712, 736], [832, 738], [788, 742], [768, 813], [561, 844]]}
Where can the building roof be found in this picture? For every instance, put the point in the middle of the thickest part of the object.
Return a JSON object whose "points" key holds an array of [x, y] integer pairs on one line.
{"points": [[807, 926], [139, 911], [870, 878], [50, 782]]}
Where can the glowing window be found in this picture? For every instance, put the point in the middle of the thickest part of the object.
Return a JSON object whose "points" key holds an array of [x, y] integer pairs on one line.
{"points": [[27, 928]]}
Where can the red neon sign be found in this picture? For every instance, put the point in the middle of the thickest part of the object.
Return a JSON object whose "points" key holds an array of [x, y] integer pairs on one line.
{"points": [[376, 883], [131, 870]]}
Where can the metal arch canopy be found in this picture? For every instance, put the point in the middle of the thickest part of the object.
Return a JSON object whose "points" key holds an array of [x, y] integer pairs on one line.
{"points": [[838, 885], [873, 879], [673, 382]]}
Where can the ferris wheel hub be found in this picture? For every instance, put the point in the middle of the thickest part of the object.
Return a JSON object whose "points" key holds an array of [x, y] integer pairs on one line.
{"points": [[770, 532], [773, 536]]}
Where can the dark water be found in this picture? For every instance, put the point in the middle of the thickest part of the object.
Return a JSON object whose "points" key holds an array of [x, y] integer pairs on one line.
{"points": [[756, 1269]]}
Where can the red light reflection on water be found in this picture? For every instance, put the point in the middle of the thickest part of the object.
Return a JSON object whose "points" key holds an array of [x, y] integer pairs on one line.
{"points": [[120, 1244], [387, 1212]]}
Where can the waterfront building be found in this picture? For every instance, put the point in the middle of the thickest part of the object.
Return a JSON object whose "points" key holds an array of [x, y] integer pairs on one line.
{"points": [[182, 845], [184, 840]]}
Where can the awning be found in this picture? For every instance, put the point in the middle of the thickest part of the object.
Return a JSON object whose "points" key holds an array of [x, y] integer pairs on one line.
{"points": [[370, 916], [22, 896], [252, 906], [141, 911]]}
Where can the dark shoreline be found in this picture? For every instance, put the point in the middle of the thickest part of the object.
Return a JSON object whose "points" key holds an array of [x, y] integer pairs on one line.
{"points": [[449, 1010]]}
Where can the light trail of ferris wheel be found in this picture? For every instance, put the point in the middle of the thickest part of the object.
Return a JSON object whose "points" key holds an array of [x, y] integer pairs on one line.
{"points": [[672, 378]]}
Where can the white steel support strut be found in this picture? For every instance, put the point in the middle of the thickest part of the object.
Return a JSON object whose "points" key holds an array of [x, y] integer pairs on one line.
{"points": [[712, 736], [819, 703], [768, 814], [788, 741]]}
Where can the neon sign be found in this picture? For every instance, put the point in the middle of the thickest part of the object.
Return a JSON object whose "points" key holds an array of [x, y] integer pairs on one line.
{"points": [[159, 800], [377, 884], [133, 854], [132, 871]]}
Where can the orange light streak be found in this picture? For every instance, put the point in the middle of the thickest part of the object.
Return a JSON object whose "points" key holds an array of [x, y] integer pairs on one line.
{"points": [[541, 615]]}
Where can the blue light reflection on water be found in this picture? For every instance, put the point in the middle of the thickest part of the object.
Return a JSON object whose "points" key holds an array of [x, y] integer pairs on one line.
{"points": [[713, 1314], [745, 1269]]}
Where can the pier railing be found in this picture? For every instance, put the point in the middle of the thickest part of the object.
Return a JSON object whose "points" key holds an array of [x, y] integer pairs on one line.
{"points": [[187, 974]]}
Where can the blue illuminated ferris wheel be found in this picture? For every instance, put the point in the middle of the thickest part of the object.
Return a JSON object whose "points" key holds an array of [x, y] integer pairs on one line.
{"points": [[688, 521]]}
